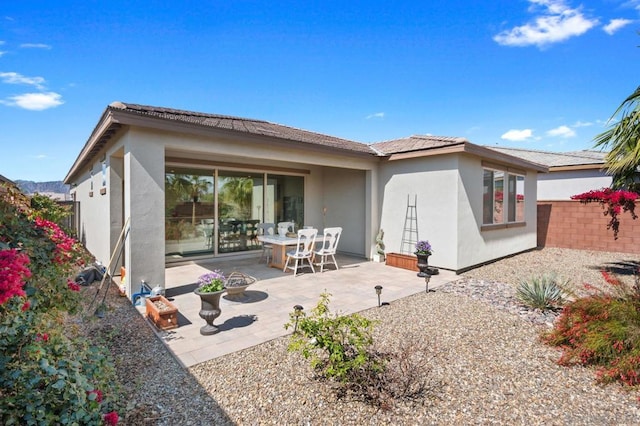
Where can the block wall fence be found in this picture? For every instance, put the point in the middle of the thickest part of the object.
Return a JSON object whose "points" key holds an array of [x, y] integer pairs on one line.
{"points": [[570, 224]]}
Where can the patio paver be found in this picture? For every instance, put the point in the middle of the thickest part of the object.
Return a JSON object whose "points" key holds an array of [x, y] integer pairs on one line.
{"points": [[261, 316]]}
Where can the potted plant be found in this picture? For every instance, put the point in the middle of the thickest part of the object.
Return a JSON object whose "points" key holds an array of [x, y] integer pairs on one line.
{"points": [[210, 287], [423, 251]]}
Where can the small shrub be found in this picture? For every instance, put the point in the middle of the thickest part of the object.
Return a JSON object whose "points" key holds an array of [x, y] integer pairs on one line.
{"points": [[543, 292], [341, 348], [602, 330]]}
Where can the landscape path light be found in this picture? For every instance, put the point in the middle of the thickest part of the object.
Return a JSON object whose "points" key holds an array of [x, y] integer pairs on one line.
{"points": [[378, 292]]}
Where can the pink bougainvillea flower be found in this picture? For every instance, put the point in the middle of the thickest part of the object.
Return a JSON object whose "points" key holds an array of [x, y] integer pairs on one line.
{"points": [[13, 272], [111, 419]]}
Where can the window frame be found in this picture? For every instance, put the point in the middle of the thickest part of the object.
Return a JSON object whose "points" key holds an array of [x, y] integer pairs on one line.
{"points": [[508, 198]]}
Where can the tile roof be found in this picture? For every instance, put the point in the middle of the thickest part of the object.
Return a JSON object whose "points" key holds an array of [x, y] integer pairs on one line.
{"points": [[416, 143], [556, 159], [243, 125]]}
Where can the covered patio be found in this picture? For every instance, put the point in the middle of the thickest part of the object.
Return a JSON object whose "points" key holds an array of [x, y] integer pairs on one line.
{"points": [[260, 316]]}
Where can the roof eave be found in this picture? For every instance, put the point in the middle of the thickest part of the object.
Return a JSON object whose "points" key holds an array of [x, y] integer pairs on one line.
{"points": [[473, 149]]}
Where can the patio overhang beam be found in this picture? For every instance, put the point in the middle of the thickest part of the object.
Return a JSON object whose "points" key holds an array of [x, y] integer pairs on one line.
{"points": [[179, 161]]}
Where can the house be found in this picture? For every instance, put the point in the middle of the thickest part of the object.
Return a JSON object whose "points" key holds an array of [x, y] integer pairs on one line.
{"points": [[570, 173], [192, 185]]}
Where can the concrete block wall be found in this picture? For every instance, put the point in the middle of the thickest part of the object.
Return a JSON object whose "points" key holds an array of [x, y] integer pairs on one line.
{"points": [[570, 224]]}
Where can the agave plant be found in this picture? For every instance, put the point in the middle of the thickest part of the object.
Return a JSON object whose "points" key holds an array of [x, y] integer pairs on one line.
{"points": [[544, 292]]}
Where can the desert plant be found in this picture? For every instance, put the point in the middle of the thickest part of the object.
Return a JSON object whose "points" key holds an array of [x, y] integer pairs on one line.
{"points": [[544, 292], [602, 330]]}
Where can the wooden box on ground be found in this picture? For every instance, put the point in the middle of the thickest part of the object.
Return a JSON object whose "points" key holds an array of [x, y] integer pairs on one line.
{"points": [[162, 313], [404, 261]]}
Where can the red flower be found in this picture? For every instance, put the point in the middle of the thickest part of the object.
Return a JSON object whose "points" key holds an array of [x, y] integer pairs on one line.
{"points": [[13, 272], [111, 418], [26, 306], [42, 337], [73, 286]]}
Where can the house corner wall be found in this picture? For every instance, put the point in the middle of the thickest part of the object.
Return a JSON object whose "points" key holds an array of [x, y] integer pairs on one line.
{"points": [[144, 206]]}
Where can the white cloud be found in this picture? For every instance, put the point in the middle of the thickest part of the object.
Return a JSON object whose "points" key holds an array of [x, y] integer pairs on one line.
{"points": [[375, 115], [35, 101], [562, 131], [15, 78], [615, 24], [518, 135], [35, 46], [556, 23], [582, 124]]}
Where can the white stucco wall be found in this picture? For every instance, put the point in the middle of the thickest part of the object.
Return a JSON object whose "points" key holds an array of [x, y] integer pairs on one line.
{"points": [[344, 192], [434, 180], [562, 185], [144, 206], [449, 210], [476, 246]]}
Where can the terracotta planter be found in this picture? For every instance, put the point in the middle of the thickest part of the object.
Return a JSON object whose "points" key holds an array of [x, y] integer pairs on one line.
{"points": [[209, 310], [161, 312], [404, 261]]}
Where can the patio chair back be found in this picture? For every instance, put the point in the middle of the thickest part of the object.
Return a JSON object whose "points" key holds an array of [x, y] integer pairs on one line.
{"points": [[329, 247], [304, 250]]}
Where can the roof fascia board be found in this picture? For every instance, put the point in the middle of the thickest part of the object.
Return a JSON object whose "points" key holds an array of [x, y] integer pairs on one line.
{"points": [[106, 120], [576, 167], [473, 149]]}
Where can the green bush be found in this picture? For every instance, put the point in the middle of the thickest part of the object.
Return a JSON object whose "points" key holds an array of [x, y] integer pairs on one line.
{"points": [[49, 373], [341, 349], [542, 292], [338, 346]]}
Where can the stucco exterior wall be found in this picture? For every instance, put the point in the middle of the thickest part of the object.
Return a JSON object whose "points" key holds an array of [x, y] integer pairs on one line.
{"points": [[562, 185], [144, 206], [449, 210], [94, 221], [476, 246], [344, 194], [432, 184]]}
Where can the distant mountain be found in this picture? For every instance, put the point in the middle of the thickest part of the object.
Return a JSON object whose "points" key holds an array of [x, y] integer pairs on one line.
{"points": [[55, 187]]}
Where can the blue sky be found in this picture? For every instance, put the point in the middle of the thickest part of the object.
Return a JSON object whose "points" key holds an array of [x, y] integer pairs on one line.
{"points": [[535, 74]]}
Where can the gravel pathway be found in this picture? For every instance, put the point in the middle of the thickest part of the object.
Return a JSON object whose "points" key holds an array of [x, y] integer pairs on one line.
{"points": [[486, 365]]}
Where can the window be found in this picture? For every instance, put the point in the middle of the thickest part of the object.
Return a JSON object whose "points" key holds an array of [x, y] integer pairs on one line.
{"points": [[503, 196]]}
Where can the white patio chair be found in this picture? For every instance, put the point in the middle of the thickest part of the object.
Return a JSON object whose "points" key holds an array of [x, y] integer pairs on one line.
{"points": [[329, 247], [267, 249], [287, 225], [304, 250]]}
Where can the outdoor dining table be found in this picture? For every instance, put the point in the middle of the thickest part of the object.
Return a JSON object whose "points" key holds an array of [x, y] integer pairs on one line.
{"points": [[279, 247]]}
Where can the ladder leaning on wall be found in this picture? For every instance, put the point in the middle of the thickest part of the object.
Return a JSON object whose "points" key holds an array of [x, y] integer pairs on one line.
{"points": [[410, 230]]}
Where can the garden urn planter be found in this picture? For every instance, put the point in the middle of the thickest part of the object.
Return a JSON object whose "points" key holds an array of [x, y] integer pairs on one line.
{"points": [[209, 310], [161, 312], [423, 266]]}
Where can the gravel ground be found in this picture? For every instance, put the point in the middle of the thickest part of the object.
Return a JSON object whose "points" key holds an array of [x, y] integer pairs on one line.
{"points": [[485, 364]]}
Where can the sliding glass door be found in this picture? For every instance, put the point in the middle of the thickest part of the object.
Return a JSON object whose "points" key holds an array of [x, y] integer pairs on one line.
{"points": [[217, 211], [189, 212], [240, 209]]}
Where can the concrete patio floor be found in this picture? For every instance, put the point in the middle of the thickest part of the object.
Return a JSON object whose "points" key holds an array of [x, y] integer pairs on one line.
{"points": [[260, 316]]}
